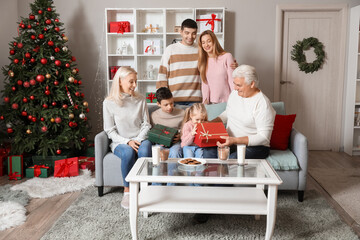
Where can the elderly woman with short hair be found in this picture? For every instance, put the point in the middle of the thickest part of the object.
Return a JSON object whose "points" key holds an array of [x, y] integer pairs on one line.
{"points": [[249, 115]]}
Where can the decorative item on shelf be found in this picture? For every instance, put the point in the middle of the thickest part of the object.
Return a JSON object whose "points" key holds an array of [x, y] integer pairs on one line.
{"points": [[123, 50], [113, 70], [151, 28], [119, 27], [161, 134], [357, 117], [149, 74], [297, 54], [153, 47], [177, 28], [207, 134], [151, 97], [210, 22], [175, 40]]}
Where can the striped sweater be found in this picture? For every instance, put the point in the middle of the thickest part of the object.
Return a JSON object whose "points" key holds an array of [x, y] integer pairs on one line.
{"points": [[178, 71]]}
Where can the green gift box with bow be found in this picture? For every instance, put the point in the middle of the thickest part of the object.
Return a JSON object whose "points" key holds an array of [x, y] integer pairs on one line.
{"points": [[162, 135], [41, 171]]}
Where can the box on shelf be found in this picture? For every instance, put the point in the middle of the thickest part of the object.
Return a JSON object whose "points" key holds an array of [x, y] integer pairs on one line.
{"points": [[177, 28], [210, 22], [67, 167], [41, 171], [113, 70], [151, 97], [161, 134], [208, 133], [119, 27], [153, 47], [15, 167], [151, 28]]}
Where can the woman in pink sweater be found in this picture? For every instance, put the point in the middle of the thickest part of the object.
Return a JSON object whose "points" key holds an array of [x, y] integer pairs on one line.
{"points": [[215, 67]]}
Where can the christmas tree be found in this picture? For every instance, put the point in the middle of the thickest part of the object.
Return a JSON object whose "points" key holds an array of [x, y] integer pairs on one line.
{"points": [[44, 111]]}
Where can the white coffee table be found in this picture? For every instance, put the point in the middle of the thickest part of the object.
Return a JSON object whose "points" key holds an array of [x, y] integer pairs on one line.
{"points": [[145, 197]]}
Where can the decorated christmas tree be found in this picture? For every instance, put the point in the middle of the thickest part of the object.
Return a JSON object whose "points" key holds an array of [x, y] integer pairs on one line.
{"points": [[44, 111]]}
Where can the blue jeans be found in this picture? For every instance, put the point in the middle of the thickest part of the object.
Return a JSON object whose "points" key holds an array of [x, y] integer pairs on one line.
{"points": [[210, 152], [128, 156], [252, 152], [175, 150], [193, 151]]}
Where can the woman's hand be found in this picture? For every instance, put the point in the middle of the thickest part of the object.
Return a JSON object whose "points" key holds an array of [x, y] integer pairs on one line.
{"points": [[134, 145], [193, 132]]}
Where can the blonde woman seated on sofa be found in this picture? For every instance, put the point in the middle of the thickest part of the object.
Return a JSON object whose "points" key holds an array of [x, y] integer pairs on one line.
{"points": [[126, 122]]}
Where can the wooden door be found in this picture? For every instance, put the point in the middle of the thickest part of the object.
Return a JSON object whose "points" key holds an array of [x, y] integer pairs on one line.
{"points": [[315, 98]]}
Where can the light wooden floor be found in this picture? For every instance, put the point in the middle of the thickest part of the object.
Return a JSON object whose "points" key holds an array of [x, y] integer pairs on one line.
{"points": [[42, 213]]}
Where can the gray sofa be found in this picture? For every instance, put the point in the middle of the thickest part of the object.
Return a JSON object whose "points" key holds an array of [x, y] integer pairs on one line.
{"points": [[108, 166]]}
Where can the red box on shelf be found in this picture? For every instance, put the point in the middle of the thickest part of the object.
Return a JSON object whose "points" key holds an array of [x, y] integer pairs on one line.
{"points": [[208, 133], [113, 70], [119, 27], [67, 167]]}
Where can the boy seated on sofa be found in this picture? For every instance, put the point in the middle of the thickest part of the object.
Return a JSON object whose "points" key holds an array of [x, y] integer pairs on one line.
{"points": [[168, 116]]}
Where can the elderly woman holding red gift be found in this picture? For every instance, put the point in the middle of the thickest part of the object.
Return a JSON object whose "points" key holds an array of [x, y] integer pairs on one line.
{"points": [[249, 115], [126, 122]]}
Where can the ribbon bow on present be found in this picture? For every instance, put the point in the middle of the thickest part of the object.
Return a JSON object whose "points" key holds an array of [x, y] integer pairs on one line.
{"points": [[210, 21], [151, 97], [122, 26], [64, 170], [151, 48], [37, 169], [150, 28], [14, 176]]}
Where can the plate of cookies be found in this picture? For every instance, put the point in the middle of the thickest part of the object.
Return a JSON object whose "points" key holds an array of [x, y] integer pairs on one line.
{"points": [[192, 161]]}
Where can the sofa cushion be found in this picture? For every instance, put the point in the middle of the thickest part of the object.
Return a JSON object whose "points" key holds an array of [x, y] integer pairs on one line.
{"points": [[214, 110], [283, 160], [281, 131]]}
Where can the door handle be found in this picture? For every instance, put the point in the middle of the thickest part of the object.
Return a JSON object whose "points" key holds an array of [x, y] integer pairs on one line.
{"points": [[283, 82]]}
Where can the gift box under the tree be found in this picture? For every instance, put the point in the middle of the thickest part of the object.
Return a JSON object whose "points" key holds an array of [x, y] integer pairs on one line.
{"points": [[151, 97], [210, 22], [152, 47], [87, 163], [15, 167], [40, 171], [48, 161], [208, 133], [119, 27], [113, 70], [67, 167], [162, 135]]}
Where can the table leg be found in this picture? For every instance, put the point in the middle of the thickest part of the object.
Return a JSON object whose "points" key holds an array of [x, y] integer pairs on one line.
{"points": [[133, 208], [271, 211], [142, 186]]}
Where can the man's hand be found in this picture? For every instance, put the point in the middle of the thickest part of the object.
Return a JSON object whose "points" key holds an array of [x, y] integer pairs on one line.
{"points": [[176, 138], [234, 64], [134, 145]]}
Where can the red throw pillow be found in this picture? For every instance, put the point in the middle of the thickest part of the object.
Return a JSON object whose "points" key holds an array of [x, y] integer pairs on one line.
{"points": [[281, 132]]}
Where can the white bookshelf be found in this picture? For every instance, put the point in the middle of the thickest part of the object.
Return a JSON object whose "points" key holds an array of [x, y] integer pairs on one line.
{"points": [[166, 19], [352, 129]]}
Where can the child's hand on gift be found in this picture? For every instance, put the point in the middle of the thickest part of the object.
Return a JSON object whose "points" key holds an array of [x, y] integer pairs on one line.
{"points": [[176, 138], [134, 145], [193, 132]]}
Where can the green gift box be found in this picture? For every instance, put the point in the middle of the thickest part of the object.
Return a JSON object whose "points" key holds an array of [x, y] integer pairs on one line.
{"points": [[37, 171], [48, 161], [162, 135], [151, 97], [15, 167]]}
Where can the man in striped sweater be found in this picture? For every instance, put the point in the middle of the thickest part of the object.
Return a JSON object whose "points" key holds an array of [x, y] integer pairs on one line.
{"points": [[179, 67]]}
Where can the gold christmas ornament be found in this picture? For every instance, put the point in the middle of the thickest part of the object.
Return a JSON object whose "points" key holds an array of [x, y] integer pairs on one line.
{"points": [[11, 73], [86, 104], [52, 120], [74, 71], [82, 116], [28, 131], [48, 75], [71, 79], [71, 116], [65, 38]]}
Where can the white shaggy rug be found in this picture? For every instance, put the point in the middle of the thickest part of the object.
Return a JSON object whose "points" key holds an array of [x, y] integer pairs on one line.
{"points": [[12, 214], [48, 187]]}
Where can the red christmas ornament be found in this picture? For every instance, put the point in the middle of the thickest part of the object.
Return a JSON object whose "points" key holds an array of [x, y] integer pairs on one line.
{"points": [[16, 61], [57, 29], [45, 29], [32, 97], [47, 87], [23, 61], [1, 117], [71, 124], [24, 113], [40, 78], [56, 20], [49, 9], [75, 81], [31, 17], [73, 59], [43, 61], [58, 63], [48, 21], [25, 100], [44, 129], [33, 119], [53, 103], [33, 37], [29, 26], [15, 106], [27, 55], [13, 89], [57, 49], [36, 49], [19, 82], [77, 94], [15, 44], [32, 82], [76, 106], [41, 36], [6, 99], [45, 105], [50, 43], [26, 84], [32, 60], [30, 117], [87, 110], [22, 25], [12, 52], [67, 65], [47, 92], [79, 82], [82, 95], [77, 70], [37, 23], [20, 45], [58, 120], [83, 140], [58, 151], [65, 106], [56, 83], [40, 11], [10, 130], [42, 119]]}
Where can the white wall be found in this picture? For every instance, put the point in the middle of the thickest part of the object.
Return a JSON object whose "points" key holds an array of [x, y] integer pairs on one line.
{"points": [[250, 36]]}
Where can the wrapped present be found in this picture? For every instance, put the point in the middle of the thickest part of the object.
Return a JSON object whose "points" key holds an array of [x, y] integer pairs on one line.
{"points": [[119, 27], [210, 22], [48, 161], [113, 70], [208, 133], [41, 171], [68, 167], [15, 167], [151, 28], [151, 97], [177, 28], [153, 47], [87, 163], [162, 135]]}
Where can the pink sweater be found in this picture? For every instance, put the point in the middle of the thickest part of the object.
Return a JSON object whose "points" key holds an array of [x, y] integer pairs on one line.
{"points": [[219, 79], [187, 139]]}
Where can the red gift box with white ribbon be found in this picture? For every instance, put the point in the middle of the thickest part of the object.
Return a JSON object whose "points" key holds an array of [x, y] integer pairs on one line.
{"points": [[208, 133], [67, 167]]}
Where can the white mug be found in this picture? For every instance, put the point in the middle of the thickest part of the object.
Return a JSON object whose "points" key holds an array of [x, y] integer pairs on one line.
{"points": [[241, 149], [155, 150]]}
